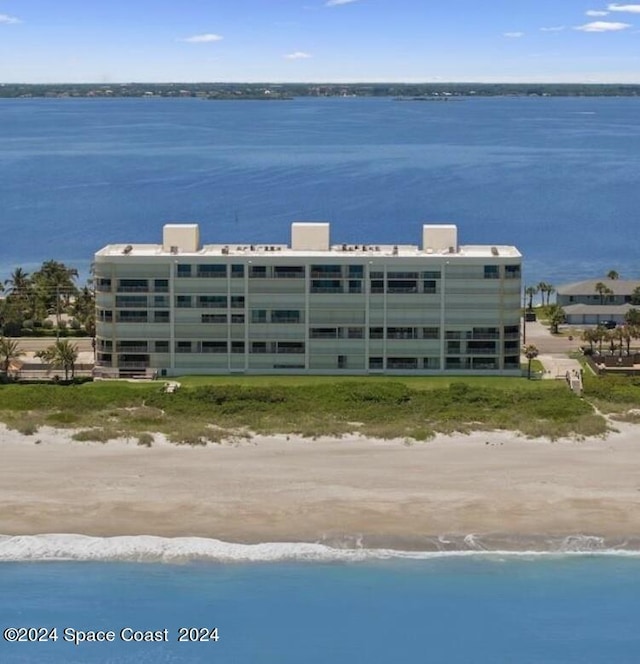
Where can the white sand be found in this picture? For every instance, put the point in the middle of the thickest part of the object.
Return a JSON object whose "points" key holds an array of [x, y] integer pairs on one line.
{"points": [[353, 490]]}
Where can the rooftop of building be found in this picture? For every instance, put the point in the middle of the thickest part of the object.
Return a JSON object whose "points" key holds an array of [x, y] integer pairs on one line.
{"points": [[588, 287], [310, 239]]}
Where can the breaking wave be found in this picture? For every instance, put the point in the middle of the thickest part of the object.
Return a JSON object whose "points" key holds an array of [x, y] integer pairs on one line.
{"points": [[143, 548]]}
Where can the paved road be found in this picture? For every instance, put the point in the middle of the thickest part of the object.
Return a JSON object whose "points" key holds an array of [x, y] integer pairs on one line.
{"points": [[553, 351]]}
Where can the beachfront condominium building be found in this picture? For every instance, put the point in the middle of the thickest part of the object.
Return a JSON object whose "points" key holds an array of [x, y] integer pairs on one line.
{"points": [[181, 307]]}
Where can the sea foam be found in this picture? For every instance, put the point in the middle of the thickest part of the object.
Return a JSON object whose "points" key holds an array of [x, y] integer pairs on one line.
{"points": [[145, 548]]}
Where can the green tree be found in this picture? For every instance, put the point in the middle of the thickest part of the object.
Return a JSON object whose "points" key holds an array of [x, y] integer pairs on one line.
{"points": [[18, 283], [557, 316], [55, 284], [612, 274], [61, 355], [531, 292], [632, 317], [530, 352], [590, 335], [602, 290], [635, 296], [9, 350]]}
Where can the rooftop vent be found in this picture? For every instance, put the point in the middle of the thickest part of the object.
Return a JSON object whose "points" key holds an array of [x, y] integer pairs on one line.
{"points": [[494, 251], [127, 250]]}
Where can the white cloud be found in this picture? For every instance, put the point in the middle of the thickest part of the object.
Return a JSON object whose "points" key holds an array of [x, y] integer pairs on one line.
{"points": [[513, 35], [557, 28], [336, 3], [596, 12], [298, 55], [5, 19], [632, 9], [202, 39], [603, 26]]}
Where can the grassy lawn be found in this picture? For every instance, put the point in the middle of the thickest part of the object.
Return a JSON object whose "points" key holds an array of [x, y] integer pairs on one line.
{"points": [[215, 408]]}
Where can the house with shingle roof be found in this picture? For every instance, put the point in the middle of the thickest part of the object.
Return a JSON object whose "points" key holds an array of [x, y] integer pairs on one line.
{"points": [[583, 305]]}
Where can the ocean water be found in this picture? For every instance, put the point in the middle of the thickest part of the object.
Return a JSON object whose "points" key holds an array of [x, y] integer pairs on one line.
{"points": [[482, 609], [557, 177]]}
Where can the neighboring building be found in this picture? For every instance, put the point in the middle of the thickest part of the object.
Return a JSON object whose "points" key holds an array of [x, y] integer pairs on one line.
{"points": [[181, 307], [583, 305]]}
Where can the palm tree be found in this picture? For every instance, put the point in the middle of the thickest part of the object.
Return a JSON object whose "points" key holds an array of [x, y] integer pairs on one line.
{"points": [[530, 352], [625, 337], [530, 292], [550, 291], [632, 317], [18, 282], [55, 282], [9, 350], [556, 317], [542, 288], [602, 290], [600, 335], [613, 275], [590, 335], [61, 355]]}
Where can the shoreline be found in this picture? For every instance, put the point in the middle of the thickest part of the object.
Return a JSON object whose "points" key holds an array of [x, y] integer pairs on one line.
{"points": [[485, 490]]}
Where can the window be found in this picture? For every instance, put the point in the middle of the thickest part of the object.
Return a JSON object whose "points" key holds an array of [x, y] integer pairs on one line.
{"points": [[131, 301], [326, 271], [355, 333], [212, 301], [326, 286], [491, 271], [161, 347], [258, 347], [481, 347], [356, 271], [214, 271], [237, 346], [376, 275], [323, 333], [431, 363], [453, 334], [288, 272], [257, 271], [511, 271], [237, 319], [355, 286], [402, 363], [214, 347], [377, 286], [342, 361], [183, 346], [133, 286], [430, 332], [161, 301], [453, 347], [429, 286], [237, 271], [258, 315], [237, 301], [161, 285], [431, 274], [402, 333], [183, 301], [376, 363], [213, 318], [161, 316], [103, 285], [485, 333], [132, 316], [290, 347], [376, 333], [136, 346], [183, 270], [402, 275], [285, 316]]}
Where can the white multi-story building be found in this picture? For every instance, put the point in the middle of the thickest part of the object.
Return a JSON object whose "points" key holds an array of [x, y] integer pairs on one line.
{"points": [[185, 308]]}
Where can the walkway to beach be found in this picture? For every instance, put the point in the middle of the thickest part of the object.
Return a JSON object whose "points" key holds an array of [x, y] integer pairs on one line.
{"points": [[553, 351]]}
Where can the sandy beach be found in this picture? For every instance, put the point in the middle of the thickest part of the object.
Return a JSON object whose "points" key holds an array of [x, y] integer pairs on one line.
{"points": [[508, 491]]}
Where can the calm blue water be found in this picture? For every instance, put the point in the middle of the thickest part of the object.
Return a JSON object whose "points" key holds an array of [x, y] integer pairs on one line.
{"points": [[558, 177], [559, 610]]}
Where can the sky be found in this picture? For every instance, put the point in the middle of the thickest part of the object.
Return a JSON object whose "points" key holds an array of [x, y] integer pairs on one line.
{"points": [[113, 41]]}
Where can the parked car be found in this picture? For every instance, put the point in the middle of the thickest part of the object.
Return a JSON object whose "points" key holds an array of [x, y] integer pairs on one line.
{"points": [[608, 324]]}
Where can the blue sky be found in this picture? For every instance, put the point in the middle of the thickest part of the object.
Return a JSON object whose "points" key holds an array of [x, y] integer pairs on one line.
{"points": [[109, 41]]}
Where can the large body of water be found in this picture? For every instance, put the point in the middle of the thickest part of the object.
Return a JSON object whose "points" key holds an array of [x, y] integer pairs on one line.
{"points": [[568, 610], [557, 177]]}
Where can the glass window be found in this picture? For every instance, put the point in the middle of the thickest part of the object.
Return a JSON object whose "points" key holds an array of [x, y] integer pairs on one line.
{"points": [[285, 316], [161, 316], [237, 346], [430, 332], [511, 271], [183, 301], [376, 333], [214, 318], [288, 271], [183, 270], [258, 315], [212, 270], [212, 301], [214, 347], [237, 271], [491, 271], [161, 347], [237, 301], [161, 285], [183, 346], [376, 363], [237, 319]]}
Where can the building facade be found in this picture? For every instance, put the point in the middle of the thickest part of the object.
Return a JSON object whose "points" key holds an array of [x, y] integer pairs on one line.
{"points": [[184, 308], [588, 303]]}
